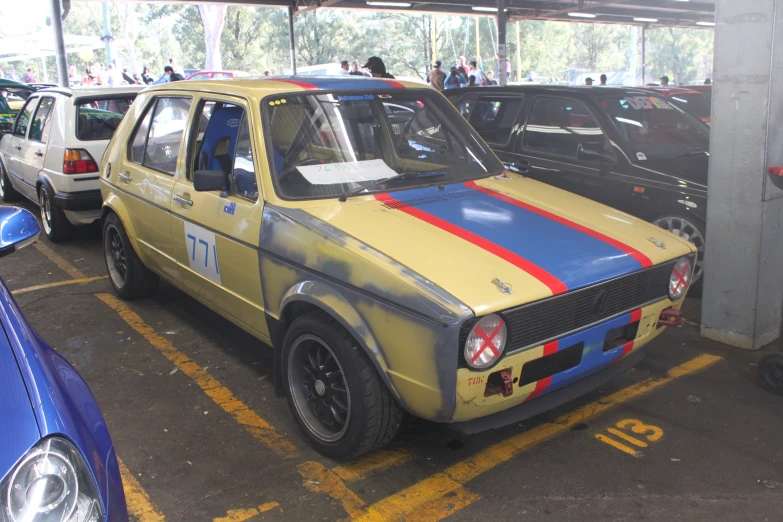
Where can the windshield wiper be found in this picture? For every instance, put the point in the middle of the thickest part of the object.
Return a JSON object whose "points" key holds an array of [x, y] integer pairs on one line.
{"points": [[400, 177]]}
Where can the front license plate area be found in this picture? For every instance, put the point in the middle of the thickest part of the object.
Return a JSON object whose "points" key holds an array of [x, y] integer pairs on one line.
{"points": [[550, 365]]}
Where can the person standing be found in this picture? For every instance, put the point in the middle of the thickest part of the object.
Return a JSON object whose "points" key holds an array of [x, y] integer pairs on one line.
{"points": [[29, 77], [436, 77], [474, 70], [12, 75], [454, 80], [146, 77], [602, 80], [127, 77], [112, 78], [177, 69], [588, 81], [173, 75], [664, 81], [355, 69], [491, 78], [344, 68], [377, 68]]}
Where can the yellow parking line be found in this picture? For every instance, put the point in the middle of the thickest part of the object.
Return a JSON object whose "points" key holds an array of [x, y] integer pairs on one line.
{"points": [[222, 396], [240, 515], [373, 463], [58, 283], [58, 260], [139, 504], [320, 480], [410, 502]]}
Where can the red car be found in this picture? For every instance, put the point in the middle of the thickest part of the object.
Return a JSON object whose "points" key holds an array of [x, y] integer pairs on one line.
{"points": [[690, 99], [207, 75]]}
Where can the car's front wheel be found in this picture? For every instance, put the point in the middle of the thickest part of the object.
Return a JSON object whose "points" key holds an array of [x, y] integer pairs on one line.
{"points": [[128, 275], [334, 391], [55, 224], [7, 192], [771, 373], [692, 230]]}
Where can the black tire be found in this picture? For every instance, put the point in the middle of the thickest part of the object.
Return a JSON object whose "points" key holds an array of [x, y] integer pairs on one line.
{"points": [[680, 225], [55, 224], [373, 416], [128, 275], [771, 373], [7, 192]]}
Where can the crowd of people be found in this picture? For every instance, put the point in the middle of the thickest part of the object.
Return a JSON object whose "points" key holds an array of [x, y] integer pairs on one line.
{"points": [[97, 75]]}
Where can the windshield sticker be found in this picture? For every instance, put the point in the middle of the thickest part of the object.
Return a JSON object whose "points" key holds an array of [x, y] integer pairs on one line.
{"points": [[640, 156], [648, 102], [360, 97], [347, 172]]}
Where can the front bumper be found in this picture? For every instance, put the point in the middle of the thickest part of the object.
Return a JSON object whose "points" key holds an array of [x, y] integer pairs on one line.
{"points": [[474, 411]]}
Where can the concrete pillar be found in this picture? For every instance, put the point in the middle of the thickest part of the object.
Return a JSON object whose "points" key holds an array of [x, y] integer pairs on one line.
{"points": [[59, 42], [743, 290]]}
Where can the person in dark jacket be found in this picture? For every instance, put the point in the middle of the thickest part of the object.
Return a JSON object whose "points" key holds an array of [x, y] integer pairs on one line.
{"points": [[173, 75], [377, 68], [146, 77]]}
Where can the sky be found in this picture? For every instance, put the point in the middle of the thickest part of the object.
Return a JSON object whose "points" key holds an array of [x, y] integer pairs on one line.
{"points": [[23, 17]]}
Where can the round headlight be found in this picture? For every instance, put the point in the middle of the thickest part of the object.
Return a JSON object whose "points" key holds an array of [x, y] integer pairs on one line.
{"points": [[680, 279], [486, 342]]}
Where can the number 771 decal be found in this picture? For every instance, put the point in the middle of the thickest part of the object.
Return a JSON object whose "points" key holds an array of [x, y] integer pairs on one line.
{"points": [[202, 251]]}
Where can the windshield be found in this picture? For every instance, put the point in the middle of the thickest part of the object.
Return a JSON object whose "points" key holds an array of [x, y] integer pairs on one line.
{"points": [[694, 102], [325, 145], [98, 118], [650, 126]]}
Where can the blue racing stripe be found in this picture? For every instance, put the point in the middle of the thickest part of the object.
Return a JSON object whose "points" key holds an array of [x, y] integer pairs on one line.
{"points": [[573, 257], [349, 83]]}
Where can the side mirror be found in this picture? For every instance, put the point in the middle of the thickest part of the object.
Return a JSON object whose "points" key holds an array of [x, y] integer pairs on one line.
{"points": [[591, 152], [206, 180], [18, 228]]}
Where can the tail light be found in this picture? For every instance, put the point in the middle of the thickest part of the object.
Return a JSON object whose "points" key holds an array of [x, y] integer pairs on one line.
{"points": [[78, 161]]}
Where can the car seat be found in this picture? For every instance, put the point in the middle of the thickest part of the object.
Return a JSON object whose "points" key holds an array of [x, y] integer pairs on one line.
{"points": [[217, 149]]}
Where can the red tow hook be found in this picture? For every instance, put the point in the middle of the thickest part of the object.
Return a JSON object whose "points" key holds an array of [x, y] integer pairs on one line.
{"points": [[508, 387], [775, 171], [670, 317]]}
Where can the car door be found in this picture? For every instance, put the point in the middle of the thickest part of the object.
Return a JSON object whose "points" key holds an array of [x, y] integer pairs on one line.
{"points": [[148, 174], [566, 147], [216, 233], [34, 148], [15, 147], [496, 117]]}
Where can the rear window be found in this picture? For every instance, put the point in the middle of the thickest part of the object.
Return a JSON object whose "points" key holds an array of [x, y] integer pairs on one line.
{"points": [[695, 102], [98, 118]]}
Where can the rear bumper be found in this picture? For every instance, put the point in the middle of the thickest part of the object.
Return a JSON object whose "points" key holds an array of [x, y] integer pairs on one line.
{"points": [[82, 200]]}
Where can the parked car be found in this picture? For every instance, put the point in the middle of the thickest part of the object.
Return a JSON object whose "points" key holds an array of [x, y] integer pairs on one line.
{"points": [[706, 91], [627, 148], [371, 237], [57, 460], [52, 153], [17, 92], [208, 75], [688, 98]]}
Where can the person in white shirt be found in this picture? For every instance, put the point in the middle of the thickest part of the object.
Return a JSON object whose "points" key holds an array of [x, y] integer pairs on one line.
{"points": [[113, 77], [345, 68], [473, 70]]}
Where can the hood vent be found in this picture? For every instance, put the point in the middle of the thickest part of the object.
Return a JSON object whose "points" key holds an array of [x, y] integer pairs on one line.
{"points": [[462, 194]]}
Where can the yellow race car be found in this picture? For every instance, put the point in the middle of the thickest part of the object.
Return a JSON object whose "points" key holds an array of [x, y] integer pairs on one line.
{"points": [[365, 232]]}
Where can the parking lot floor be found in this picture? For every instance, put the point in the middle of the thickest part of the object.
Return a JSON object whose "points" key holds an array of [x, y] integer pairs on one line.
{"points": [[190, 404]]}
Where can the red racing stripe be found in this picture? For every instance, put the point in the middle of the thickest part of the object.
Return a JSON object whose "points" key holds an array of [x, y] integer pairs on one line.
{"points": [[553, 283], [641, 258], [396, 85], [543, 384], [304, 85], [636, 316]]}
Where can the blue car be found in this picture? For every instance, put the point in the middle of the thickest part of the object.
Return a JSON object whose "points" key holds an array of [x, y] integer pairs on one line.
{"points": [[57, 461]]}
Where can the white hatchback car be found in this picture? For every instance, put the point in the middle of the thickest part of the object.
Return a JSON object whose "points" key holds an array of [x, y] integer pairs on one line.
{"points": [[53, 153]]}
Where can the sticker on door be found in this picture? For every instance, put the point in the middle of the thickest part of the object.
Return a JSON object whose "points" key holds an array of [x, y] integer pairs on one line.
{"points": [[202, 251]]}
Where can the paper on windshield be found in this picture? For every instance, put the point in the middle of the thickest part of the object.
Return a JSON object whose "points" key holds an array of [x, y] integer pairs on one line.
{"points": [[346, 172]]}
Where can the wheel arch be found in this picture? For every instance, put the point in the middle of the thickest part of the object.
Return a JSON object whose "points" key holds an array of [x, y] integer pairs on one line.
{"points": [[114, 205]]}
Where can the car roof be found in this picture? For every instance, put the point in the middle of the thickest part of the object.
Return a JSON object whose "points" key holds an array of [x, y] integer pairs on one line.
{"points": [[93, 91], [260, 86], [669, 91], [579, 91]]}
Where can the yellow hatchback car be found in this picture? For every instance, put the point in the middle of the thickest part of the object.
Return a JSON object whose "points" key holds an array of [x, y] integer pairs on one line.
{"points": [[365, 232]]}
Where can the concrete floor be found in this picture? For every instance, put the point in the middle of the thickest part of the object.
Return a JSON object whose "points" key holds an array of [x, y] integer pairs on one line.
{"points": [[712, 438]]}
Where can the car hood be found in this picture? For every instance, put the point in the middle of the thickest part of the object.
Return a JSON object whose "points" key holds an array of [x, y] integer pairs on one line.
{"points": [[687, 168], [18, 426], [498, 243]]}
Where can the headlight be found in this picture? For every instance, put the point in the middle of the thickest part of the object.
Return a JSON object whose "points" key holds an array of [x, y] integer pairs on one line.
{"points": [[51, 483], [680, 279], [486, 342]]}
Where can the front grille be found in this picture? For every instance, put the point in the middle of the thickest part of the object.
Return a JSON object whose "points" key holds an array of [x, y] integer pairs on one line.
{"points": [[549, 365], [536, 323]]}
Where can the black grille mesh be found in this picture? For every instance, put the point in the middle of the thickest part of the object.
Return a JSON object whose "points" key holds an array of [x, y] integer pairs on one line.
{"points": [[549, 365], [535, 323]]}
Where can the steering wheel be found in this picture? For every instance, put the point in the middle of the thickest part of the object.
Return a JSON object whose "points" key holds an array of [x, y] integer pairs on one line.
{"points": [[288, 170]]}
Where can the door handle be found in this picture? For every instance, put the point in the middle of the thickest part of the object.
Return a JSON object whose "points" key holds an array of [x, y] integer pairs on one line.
{"points": [[39, 154], [124, 177], [182, 201], [522, 167], [18, 147]]}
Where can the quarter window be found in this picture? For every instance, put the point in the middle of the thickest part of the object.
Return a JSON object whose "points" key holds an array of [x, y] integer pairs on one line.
{"points": [[23, 120], [164, 138], [495, 118], [42, 116], [98, 118], [139, 140], [223, 143], [559, 126]]}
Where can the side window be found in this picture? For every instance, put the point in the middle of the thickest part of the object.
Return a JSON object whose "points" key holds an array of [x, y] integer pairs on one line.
{"points": [[165, 136], [42, 116], [465, 106], [559, 126], [223, 143], [139, 140], [494, 118], [23, 119]]}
